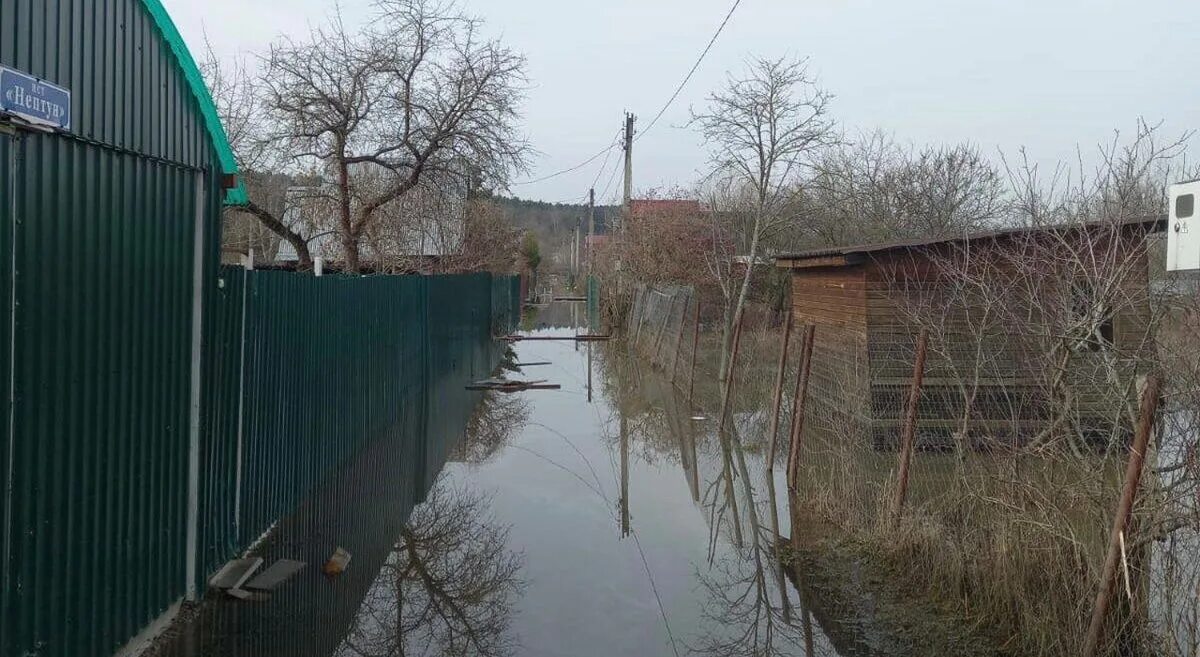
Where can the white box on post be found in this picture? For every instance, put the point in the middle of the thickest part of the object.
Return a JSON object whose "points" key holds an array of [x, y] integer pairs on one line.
{"points": [[1183, 229]]}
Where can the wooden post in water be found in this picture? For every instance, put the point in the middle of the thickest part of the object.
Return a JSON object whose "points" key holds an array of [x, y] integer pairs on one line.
{"points": [[624, 473], [633, 309], [769, 470], [1133, 478], [779, 377], [679, 338], [733, 354], [662, 328], [909, 429], [799, 401], [647, 295], [695, 348]]}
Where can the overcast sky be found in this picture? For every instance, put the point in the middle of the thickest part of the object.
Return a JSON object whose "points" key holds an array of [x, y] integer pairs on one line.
{"points": [[1046, 74]]}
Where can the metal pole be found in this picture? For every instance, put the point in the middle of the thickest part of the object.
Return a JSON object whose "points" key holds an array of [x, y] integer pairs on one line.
{"points": [[779, 377], [1133, 477], [624, 474], [695, 348], [637, 335], [192, 528], [799, 401], [591, 243], [679, 338], [909, 429], [662, 328]]}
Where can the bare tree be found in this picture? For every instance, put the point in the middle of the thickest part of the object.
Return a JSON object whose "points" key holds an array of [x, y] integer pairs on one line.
{"points": [[873, 189], [418, 101], [448, 587], [263, 166], [763, 129]]}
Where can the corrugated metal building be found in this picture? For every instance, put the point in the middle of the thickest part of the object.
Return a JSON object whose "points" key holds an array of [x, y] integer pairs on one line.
{"points": [[109, 230], [983, 379]]}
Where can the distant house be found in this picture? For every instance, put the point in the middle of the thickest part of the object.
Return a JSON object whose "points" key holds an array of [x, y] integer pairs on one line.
{"points": [[644, 208], [981, 384], [300, 213]]}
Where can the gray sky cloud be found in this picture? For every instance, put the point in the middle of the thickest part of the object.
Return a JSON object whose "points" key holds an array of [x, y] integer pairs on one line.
{"points": [[1049, 74]]}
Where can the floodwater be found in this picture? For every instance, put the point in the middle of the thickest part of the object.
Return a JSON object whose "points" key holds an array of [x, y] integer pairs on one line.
{"points": [[616, 526], [604, 518]]}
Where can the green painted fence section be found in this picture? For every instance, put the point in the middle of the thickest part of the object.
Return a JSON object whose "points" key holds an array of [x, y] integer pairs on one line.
{"points": [[593, 304], [96, 437], [410, 344], [306, 373]]}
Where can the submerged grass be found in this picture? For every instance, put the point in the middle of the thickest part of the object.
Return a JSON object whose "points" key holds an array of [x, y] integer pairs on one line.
{"points": [[1010, 547]]}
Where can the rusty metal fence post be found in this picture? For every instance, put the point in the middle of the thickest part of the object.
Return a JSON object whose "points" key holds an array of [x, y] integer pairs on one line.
{"points": [[695, 348], [679, 336], [1133, 477], [799, 401], [779, 377], [908, 431]]}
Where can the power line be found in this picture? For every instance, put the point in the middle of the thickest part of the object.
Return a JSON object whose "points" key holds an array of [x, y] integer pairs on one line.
{"points": [[674, 96], [577, 167], [603, 166], [692, 72], [611, 179]]}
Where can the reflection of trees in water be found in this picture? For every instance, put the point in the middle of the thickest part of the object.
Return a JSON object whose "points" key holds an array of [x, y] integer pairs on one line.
{"points": [[746, 608], [496, 421], [446, 589], [747, 603]]}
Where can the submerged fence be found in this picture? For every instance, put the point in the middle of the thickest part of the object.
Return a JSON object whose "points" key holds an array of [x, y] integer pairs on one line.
{"points": [[990, 481], [308, 372], [308, 385]]}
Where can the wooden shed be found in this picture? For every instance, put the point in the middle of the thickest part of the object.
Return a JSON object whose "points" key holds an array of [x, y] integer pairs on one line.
{"points": [[1028, 328]]}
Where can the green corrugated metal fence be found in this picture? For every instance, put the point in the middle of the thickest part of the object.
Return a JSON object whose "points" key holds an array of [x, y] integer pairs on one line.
{"points": [[96, 492], [97, 267], [330, 366], [354, 395], [593, 304]]}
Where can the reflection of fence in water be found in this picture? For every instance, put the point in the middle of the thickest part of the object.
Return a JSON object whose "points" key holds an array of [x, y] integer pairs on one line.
{"points": [[1005, 517]]}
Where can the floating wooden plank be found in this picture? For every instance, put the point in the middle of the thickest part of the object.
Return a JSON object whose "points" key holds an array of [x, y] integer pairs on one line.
{"points": [[576, 338], [278, 573], [570, 298], [545, 362], [235, 573], [502, 385], [248, 596]]}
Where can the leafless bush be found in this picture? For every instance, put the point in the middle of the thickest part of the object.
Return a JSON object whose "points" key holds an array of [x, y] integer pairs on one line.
{"points": [[871, 189], [1038, 340]]}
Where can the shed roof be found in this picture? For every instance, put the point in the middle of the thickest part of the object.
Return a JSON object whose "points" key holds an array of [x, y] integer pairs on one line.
{"points": [[641, 207], [851, 255], [212, 120]]}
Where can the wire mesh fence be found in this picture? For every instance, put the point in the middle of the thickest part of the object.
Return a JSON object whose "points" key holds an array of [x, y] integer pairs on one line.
{"points": [[1021, 422]]}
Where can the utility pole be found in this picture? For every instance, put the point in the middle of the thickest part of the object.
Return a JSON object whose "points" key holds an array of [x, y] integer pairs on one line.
{"points": [[591, 227], [629, 119]]}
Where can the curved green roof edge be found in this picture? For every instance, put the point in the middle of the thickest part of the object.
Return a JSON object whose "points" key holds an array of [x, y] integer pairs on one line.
{"points": [[220, 140]]}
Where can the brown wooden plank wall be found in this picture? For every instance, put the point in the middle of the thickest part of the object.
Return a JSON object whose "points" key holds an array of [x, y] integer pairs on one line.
{"points": [[833, 299]]}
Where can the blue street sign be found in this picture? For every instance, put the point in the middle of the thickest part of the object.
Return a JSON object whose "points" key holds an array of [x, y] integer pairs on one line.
{"points": [[34, 100]]}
